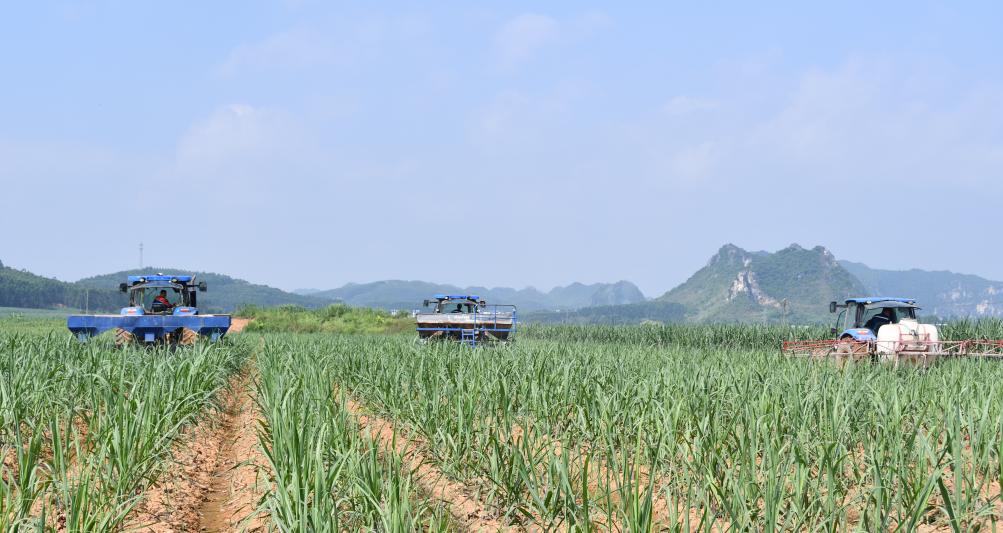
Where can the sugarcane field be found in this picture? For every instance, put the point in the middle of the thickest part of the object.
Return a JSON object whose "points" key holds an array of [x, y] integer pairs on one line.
{"points": [[309, 267], [598, 428]]}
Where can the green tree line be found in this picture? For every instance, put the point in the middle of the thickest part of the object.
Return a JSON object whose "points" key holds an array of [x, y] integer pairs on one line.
{"points": [[19, 288]]}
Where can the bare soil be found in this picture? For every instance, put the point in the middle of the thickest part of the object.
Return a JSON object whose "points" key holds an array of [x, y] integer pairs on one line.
{"points": [[238, 482], [238, 324], [467, 512], [215, 477]]}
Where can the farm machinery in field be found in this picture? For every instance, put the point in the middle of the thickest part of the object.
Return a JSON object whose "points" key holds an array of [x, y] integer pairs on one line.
{"points": [[467, 319], [887, 329], [149, 320]]}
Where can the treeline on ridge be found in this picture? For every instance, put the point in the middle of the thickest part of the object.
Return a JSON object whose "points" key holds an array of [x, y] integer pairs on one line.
{"points": [[20, 288]]}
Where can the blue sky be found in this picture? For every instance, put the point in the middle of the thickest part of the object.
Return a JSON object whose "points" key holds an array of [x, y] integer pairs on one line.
{"points": [[309, 144]]}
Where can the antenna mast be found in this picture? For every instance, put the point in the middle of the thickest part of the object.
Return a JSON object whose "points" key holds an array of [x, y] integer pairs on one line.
{"points": [[140, 256]]}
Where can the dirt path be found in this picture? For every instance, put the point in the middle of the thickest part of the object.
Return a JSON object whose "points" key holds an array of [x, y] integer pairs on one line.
{"points": [[214, 480], [238, 324], [466, 510], [236, 483]]}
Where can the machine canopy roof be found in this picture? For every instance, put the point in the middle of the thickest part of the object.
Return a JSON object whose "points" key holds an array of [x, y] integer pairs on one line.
{"points": [[892, 304], [456, 297], [874, 299], [160, 277]]}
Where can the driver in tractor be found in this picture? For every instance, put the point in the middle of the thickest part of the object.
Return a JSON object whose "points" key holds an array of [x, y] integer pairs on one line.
{"points": [[887, 316], [162, 300], [459, 309]]}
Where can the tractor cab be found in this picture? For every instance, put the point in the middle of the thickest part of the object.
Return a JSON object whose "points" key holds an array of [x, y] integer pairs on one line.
{"points": [[181, 291], [454, 303], [861, 318]]}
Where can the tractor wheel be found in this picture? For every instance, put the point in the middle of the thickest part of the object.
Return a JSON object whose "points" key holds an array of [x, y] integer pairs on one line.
{"points": [[123, 338], [188, 337]]}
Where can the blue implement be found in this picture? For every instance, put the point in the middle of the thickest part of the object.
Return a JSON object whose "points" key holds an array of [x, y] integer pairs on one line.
{"points": [[148, 328]]}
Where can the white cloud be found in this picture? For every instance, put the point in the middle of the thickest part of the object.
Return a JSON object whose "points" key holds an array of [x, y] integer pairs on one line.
{"points": [[501, 115], [522, 37], [879, 119], [829, 110], [248, 156], [527, 121], [588, 22], [693, 163], [237, 136], [684, 105], [340, 43], [292, 49]]}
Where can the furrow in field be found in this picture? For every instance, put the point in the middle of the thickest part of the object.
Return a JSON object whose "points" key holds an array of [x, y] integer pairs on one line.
{"points": [[465, 509], [239, 479], [172, 504], [216, 474]]}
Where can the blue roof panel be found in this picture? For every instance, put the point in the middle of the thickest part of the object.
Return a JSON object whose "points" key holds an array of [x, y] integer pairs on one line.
{"points": [[456, 297], [182, 279], [872, 299]]}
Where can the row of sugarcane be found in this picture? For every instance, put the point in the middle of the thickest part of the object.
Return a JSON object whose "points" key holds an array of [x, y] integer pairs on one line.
{"points": [[85, 429], [596, 435]]}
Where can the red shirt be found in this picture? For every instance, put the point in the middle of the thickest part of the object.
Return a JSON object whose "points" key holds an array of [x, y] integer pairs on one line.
{"points": [[163, 300]]}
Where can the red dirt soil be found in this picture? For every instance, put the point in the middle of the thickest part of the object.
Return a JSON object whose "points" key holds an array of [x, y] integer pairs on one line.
{"points": [[238, 324], [214, 481], [238, 482]]}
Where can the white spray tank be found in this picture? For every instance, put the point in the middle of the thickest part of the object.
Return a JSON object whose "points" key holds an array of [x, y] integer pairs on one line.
{"points": [[908, 335]]}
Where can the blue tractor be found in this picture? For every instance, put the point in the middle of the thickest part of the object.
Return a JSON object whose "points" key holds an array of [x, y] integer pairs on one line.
{"points": [[148, 320], [879, 328]]}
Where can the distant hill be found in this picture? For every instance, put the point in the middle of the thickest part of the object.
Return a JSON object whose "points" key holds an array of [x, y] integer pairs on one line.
{"points": [[225, 294], [577, 295], [391, 294], [741, 286], [634, 313], [735, 286], [940, 293], [399, 294], [306, 292], [20, 288]]}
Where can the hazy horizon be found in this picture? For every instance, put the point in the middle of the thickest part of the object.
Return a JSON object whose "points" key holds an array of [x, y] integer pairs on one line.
{"points": [[295, 288], [304, 144]]}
